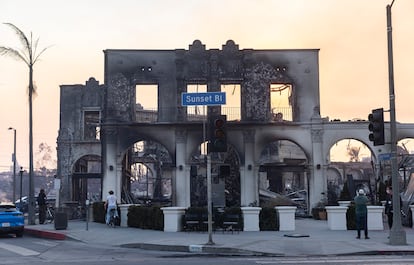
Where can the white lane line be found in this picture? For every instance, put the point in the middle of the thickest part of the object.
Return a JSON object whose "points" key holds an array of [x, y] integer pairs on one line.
{"points": [[19, 250]]}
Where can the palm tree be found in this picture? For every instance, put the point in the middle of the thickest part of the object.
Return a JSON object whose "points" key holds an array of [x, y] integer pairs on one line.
{"points": [[29, 56]]}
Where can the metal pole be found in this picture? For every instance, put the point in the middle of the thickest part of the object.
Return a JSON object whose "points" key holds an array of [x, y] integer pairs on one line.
{"points": [[21, 187], [14, 164], [397, 234], [209, 191], [209, 206]]}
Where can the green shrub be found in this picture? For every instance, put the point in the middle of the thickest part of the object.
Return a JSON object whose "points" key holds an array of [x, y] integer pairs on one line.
{"points": [[268, 220], [145, 217], [99, 213]]}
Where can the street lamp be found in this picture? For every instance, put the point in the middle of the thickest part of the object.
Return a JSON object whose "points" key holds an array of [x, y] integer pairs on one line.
{"points": [[14, 164], [397, 233]]}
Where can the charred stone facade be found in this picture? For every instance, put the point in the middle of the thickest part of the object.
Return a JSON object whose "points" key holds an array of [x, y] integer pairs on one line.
{"points": [[122, 122]]}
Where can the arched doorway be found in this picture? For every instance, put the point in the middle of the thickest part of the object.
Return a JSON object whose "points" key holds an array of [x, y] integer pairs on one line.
{"points": [[87, 179]]}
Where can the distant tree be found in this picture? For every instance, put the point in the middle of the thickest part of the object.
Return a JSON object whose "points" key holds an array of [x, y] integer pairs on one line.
{"points": [[29, 56], [44, 158], [353, 153]]}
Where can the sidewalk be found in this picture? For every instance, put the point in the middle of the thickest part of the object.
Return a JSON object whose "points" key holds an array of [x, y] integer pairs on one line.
{"points": [[311, 238]]}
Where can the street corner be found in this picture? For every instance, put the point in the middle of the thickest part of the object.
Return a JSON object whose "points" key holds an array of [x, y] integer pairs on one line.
{"points": [[45, 234]]}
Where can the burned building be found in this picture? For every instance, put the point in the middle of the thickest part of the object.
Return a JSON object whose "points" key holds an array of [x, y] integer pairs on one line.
{"points": [[133, 134]]}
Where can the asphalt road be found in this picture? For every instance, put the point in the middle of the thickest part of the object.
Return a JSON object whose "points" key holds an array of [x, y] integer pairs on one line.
{"points": [[36, 251]]}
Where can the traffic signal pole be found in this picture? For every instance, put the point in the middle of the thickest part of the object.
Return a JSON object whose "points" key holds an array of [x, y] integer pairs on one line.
{"points": [[397, 234]]}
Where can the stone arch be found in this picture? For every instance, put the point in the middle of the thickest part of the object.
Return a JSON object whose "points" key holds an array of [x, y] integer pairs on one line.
{"points": [[86, 178], [146, 162], [283, 174], [355, 170]]}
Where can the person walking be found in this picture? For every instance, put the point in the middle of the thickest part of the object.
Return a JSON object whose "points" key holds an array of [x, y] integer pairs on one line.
{"points": [[110, 203], [41, 202], [361, 213], [388, 207]]}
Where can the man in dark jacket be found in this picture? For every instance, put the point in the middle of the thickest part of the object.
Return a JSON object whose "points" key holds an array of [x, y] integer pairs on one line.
{"points": [[41, 202], [361, 213]]}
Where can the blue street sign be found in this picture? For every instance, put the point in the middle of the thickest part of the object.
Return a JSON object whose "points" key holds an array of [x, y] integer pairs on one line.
{"points": [[385, 156], [205, 98]]}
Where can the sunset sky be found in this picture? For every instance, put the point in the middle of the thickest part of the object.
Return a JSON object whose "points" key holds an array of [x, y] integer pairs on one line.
{"points": [[351, 36]]}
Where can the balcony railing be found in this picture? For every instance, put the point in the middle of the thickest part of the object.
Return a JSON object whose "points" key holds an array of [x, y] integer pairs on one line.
{"points": [[200, 114]]}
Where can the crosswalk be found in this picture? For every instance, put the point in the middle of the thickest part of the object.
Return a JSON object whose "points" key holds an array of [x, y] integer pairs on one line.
{"points": [[18, 250], [24, 251]]}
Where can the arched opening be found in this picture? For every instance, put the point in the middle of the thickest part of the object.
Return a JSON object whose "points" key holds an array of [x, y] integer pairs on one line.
{"points": [[354, 169], [146, 174], [87, 179], [283, 176]]}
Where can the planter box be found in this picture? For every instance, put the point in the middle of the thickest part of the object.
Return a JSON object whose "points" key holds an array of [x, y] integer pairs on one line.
{"points": [[286, 217], [344, 203], [173, 218], [124, 214], [375, 221], [336, 217], [251, 218]]}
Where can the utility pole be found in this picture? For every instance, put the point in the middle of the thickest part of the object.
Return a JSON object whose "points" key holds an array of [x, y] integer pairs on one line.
{"points": [[397, 233]]}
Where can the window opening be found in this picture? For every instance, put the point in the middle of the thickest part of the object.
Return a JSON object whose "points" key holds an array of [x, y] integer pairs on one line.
{"points": [[147, 97], [233, 101], [91, 128], [146, 101], [280, 101]]}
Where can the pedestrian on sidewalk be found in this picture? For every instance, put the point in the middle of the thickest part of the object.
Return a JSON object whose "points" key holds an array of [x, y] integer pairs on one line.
{"points": [[110, 203], [41, 202], [361, 213], [389, 209]]}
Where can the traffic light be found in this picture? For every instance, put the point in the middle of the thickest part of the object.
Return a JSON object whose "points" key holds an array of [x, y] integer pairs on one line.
{"points": [[376, 126], [217, 134]]}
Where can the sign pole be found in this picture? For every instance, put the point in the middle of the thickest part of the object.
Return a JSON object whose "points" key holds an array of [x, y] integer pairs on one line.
{"points": [[209, 191], [206, 99]]}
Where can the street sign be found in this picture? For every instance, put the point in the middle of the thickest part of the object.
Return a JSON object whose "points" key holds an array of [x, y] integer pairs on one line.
{"points": [[203, 99], [385, 156]]}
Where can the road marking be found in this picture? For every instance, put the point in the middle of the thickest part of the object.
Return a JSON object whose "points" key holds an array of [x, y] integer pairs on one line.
{"points": [[45, 243], [19, 250]]}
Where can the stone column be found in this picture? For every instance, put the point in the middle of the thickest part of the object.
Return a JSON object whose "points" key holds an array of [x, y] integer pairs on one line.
{"points": [[182, 180], [249, 180], [317, 183], [110, 170]]}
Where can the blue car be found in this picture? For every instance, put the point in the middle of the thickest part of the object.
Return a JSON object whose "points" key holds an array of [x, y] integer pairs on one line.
{"points": [[11, 220]]}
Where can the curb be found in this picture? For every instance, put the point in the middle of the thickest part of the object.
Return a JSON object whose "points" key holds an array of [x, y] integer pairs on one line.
{"points": [[45, 234], [199, 249]]}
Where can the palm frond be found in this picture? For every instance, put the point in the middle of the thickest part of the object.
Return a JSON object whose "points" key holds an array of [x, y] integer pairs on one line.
{"points": [[21, 36], [13, 53], [40, 53]]}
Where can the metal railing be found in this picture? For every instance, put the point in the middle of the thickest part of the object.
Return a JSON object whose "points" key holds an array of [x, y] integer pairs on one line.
{"points": [[151, 115]]}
